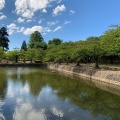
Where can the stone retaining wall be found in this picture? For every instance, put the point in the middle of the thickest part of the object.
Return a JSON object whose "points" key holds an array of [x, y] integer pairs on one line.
{"points": [[112, 77]]}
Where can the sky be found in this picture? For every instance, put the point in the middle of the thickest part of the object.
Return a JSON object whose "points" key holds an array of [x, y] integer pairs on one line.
{"points": [[69, 20]]}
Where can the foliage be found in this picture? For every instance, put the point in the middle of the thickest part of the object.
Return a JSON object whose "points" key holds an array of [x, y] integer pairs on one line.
{"points": [[110, 42], [93, 49], [55, 41], [24, 46], [3, 38], [1, 53], [37, 41]]}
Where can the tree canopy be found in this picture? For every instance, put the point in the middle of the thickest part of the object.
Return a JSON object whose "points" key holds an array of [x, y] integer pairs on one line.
{"points": [[24, 46], [4, 39], [37, 41], [104, 49], [55, 41]]}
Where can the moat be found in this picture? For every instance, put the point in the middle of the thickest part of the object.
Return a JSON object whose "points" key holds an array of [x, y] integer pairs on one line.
{"points": [[41, 94]]}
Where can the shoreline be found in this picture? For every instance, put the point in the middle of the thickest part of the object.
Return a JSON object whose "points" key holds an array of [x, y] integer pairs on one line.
{"points": [[23, 65], [102, 75]]}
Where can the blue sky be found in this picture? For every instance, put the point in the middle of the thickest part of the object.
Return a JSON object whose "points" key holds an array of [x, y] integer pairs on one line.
{"points": [[69, 20]]}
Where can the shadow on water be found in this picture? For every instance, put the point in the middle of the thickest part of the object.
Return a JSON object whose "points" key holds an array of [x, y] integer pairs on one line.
{"points": [[3, 84], [97, 98]]}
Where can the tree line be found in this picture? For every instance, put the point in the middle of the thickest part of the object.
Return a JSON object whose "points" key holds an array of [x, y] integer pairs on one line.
{"points": [[104, 49]]}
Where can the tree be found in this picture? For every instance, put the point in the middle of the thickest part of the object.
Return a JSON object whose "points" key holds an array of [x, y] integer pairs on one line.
{"points": [[23, 55], [3, 38], [80, 52], [55, 41], [95, 50], [1, 54], [24, 46], [37, 41], [92, 38], [110, 41], [30, 54], [16, 54], [10, 56], [41, 45]]}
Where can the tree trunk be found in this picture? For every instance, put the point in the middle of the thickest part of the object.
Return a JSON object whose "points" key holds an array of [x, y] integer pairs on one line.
{"points": [[78, 64], [59, 61], [24, 60], [106, 61], [96, 63], [30, 60], [16, 59]]}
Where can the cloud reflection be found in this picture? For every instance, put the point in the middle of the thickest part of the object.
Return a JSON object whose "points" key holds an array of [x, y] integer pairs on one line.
{"points": [[26, 111], [57, 112]]}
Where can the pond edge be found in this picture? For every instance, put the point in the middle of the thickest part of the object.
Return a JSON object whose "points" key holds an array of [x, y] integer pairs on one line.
{"points": [[107, 76]]}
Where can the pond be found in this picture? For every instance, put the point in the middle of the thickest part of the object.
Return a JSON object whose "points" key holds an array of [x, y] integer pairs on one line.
{"points": [[40, 94]]}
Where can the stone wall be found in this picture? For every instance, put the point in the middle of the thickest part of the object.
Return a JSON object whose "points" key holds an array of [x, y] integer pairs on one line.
{"points": [[109, 76]]}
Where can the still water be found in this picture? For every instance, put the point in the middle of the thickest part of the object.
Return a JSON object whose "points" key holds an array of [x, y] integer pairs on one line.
{"points": [[39, 94]]}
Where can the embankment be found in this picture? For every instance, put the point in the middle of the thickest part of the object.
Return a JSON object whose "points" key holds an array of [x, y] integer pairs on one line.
{"points": [[102, 75]]}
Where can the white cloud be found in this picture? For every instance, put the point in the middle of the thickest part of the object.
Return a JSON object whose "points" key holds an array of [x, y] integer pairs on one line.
{"points": [[2, 16], [10, 31], [29, 21], [21, 29], [29, 31], [52, 23], [66, 22], [59, 9], [20, 20], [11, 28], [27, 8], [2, 4], [72, 11], [57, 28], [47, 29], [59, 1], [40, 21], [38, 4], [44, 11]]}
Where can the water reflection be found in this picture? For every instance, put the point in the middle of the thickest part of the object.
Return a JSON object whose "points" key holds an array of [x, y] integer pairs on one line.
{"points": [[38, 94]]}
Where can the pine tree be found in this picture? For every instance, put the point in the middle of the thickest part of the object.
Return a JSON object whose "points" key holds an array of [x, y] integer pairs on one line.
{"points": [[3, 38], [24, 46]]}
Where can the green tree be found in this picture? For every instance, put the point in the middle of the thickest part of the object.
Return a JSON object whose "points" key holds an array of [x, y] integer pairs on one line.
{"points": [[50, 54], [10, 56], [37, 41], [39, 55], [94, 49], [80, 52], [16, 54], [92, 38], [23, 55], [55, 41], [110, 41], [3, 38], [1, 54], [30, 54], [24, 46]]}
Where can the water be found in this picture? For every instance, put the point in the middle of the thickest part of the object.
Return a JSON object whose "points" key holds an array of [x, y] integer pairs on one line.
{"points": [[39, 94]]}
